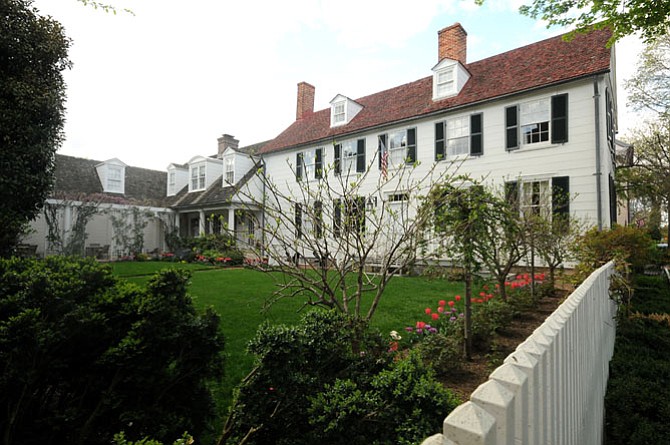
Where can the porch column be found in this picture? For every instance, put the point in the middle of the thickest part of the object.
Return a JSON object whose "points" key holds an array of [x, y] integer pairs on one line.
{"points": [[177, 222], [231, 221], [201, 222]]}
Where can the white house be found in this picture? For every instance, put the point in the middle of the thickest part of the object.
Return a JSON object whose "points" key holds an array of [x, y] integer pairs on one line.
{"points": [[536, 121]]}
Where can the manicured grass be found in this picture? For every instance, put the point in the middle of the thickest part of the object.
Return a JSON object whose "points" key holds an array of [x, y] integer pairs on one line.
{"points": [[240, 297], [143, 268]]}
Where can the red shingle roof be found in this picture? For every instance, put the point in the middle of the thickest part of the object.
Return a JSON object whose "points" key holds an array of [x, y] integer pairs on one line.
{"points": [[540, 64]]}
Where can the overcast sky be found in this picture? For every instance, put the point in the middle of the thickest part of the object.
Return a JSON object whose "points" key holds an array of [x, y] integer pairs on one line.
{"points": [[162, 85]]}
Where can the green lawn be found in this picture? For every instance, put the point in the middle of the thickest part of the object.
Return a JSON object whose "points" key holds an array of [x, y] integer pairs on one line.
{"points": [[240, 295]]}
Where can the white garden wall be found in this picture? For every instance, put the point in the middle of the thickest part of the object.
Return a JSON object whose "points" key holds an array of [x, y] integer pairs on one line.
{"points": [[551, 390]]}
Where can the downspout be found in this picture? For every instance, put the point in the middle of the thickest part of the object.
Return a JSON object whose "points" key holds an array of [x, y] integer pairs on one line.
{"points": [[596, 104], [263, 211]]}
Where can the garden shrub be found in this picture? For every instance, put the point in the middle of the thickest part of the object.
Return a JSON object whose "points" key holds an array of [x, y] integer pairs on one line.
{"points": [[98, 356], [487, 319], [596, 248], [332, 380], [443, 353]]}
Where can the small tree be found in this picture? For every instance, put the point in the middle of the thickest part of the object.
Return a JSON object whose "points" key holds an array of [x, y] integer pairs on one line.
{"points": [[499, 246], [337, 241], [461, 216], [648, 177]]}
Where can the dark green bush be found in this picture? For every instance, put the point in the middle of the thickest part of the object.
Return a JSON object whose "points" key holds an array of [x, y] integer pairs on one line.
{"points": [[637, 403], [85, 356], [443, 353], [487, 319], [331, 380]]}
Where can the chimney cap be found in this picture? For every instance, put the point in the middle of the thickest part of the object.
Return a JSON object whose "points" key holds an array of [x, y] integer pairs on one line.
{"points": [[455, 25]]}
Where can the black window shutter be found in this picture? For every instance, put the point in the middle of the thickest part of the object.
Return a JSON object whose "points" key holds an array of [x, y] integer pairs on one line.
{"points": [[337, 217], [298, 166], [360, 156], [559, 119], [411, 145], [381, 149], [439, 141], [318, 163], [298, 220], [512, 194], [512, 128], [318, 219], [338, 158], [476, 142], [560, 197]]}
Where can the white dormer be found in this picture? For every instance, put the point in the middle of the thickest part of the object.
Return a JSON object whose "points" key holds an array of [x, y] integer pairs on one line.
{"points": [[202, 172], [235, 166], [177, 178], [343, 110], [449, 77], [112, 174]]}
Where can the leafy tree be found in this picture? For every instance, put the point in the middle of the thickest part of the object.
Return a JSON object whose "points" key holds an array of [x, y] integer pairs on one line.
{"points": [[33, 54], [84, 356], [649, 88], [462, 216], [499, 246], [622, 17], [648, 178]]}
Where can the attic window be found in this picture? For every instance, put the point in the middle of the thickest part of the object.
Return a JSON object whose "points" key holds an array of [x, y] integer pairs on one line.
{"points": [[343, 110], [230, 170], [445, 82], [339, 113], [114, 179], [449, 78]]}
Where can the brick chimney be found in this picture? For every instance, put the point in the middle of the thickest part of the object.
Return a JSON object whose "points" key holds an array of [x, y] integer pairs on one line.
{"points": [[226, 141], [452, 43], [305, 100]]}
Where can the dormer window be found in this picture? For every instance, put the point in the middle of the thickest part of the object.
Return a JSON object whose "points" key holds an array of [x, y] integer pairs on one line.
{"points": [[445, 82], [229, 173], [343, 110], [112, 175], [115, 179], [449, 77], [198, 175], [339, 115]]}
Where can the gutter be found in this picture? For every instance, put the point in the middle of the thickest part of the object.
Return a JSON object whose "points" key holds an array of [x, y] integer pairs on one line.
{"points": [[598, 173]]}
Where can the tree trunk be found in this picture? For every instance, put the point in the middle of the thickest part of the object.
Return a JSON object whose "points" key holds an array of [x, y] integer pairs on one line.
{"points": [[468, 315]]}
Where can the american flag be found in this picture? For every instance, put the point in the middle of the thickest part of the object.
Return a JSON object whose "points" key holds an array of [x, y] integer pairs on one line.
{"points": [[385, 163]]}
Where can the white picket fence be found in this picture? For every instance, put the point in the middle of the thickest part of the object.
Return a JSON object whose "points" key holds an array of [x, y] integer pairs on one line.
{"points": [[551, 390]]}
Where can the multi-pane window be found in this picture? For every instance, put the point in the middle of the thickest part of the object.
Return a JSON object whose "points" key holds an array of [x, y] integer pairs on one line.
{"points": [[350, 157], [536, 198], [444, 83], [349, 216], [198, 174], [537, 121], [339, 113], [230, 170], [535, 116], [459, 136], [309, 164], [397, 148], [114, 179]]}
